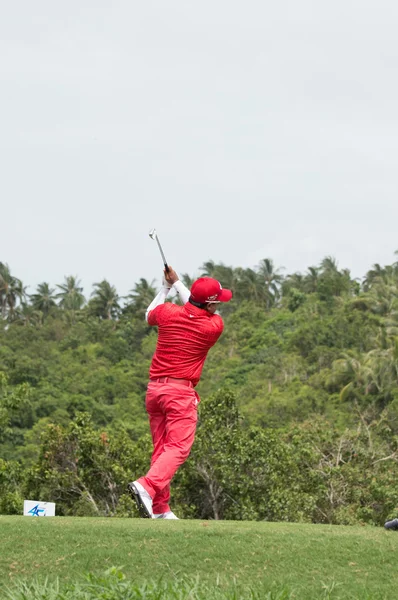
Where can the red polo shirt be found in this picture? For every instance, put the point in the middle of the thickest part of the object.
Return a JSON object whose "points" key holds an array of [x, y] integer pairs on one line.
{"points": [[186, 334]]}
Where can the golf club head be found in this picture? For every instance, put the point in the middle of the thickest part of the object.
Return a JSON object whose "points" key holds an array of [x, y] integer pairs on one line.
{"points": [[153, 235]]}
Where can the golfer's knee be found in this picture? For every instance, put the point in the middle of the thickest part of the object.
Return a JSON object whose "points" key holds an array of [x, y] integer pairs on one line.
{"points": [[181, 454]]}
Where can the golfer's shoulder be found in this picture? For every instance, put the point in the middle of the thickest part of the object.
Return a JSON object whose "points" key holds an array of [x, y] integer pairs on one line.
{"points": [[171, 307], [163, 312], [217, 323]]}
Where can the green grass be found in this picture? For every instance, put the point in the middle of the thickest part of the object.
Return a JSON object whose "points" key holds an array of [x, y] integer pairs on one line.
{"points": [[297, 561], [113, 585]]}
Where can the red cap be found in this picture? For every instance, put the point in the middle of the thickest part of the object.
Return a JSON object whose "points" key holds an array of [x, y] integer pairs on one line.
{"points": [[207, 289]]}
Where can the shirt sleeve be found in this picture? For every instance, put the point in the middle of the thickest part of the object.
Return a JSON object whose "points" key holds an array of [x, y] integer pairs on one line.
{"points": [[220, 326], [159, 299], [182, 291]]}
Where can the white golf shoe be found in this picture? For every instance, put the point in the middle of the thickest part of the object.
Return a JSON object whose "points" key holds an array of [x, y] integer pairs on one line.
{"points": [[142, 498], [167, 515]]}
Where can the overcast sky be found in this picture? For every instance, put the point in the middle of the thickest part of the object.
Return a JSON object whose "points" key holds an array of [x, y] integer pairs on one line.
{"points": [[240, 130]]}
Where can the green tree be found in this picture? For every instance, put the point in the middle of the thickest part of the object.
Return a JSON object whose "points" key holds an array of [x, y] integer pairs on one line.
{"points": [[187, 280], [368, 377], [11, 291], [13, 401], [71, 295], [293, 281], [272, 280], [44, 299], [12, 479], [248, 285], [104, 301], [332, 282], [270, 485], [140, 297], [311, 280], [227, 276], [86, 470], [209, 269], [375, 274], [350, 472], [27, 315]]}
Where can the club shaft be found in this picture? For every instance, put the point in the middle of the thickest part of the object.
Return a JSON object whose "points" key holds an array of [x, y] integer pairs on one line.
{"points": [[162, 253]]}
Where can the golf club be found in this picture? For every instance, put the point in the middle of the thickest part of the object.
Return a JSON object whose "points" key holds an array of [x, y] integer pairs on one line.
{"points": [[154, 236]]}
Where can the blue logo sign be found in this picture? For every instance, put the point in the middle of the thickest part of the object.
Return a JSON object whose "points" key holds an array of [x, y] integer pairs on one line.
{"points": [[35, 511]]}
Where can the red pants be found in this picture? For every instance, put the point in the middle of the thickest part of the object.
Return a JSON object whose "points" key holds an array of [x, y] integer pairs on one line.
{"points": [[172, 410]]}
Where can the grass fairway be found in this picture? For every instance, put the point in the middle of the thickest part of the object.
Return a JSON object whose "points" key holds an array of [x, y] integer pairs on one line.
{"points": [[312, 561]]}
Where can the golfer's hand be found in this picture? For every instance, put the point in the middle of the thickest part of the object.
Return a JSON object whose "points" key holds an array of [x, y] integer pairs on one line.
{"points": [[170, 276]]}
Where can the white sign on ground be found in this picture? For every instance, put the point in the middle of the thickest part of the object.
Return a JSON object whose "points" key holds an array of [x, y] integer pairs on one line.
{"points": [[34, 508]]}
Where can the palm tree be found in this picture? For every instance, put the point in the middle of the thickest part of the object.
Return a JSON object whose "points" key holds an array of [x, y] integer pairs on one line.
{"points": [[27, 315], [209, 269], [271, 278], [381, 292], [229, 277], [71, 296], [11, 291], [44, 299], [142, 295], [329, 264], [353, 371], [385, 297], [248, 285], [374, 373], [332, 282], [105, 301], [395, 264], [374, 275], [187, 280], [311, 280], [294, 281]]}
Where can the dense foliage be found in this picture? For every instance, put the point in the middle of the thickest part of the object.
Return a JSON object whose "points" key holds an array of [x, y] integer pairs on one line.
{"points": [[299, 411]]}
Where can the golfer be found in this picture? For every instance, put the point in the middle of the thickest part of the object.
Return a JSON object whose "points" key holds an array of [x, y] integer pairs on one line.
{"points": [[185, 335]]}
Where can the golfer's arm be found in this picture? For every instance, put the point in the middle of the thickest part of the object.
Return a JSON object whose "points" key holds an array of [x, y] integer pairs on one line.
{"points": [[159, 299], [179, 287], [182, 291]]}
